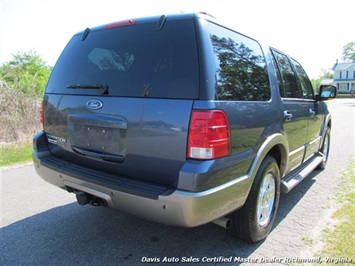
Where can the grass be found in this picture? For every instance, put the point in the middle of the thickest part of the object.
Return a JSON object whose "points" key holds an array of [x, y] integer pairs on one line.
{"points": [[344, 95], [15, 153], [339, 241]]}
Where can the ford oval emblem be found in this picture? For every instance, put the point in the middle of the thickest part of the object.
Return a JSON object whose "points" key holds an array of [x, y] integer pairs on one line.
{"points": [[94, 104]]}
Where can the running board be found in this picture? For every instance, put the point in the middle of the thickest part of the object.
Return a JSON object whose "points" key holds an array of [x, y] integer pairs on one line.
{"points": [[296, 176]]}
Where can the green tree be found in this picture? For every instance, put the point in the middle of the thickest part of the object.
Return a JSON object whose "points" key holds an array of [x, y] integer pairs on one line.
{"points": [[26, 72], [324, 74], [349, 52], [316, 84]]}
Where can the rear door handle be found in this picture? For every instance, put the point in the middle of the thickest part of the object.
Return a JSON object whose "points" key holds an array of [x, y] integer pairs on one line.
{"points": [[287, 115]]}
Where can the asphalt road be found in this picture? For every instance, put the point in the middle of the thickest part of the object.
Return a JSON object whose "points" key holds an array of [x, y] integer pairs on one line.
{"points": [[43, 225]]}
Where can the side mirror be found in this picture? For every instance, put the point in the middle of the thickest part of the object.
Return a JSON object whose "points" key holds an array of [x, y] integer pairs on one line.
{"points": [[327, 92]]}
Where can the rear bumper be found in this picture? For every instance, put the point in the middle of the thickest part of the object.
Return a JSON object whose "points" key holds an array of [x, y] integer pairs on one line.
{"points": [[173, 207]]}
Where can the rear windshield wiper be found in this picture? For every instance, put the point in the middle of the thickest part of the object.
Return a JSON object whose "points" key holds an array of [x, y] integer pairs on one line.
{"points": [[102, 87]]}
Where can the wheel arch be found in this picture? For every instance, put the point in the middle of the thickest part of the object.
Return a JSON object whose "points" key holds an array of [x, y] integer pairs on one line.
{"points": [[280, 154], [276, 146], [327, 123]]}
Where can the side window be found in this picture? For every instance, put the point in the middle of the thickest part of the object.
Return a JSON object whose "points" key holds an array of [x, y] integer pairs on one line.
{"points": [[306, 85], [289, 80], [241, 68], [279, 78]]}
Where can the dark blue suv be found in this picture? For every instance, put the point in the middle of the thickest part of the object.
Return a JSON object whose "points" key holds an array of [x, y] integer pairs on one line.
{"points": [[181, 120]]}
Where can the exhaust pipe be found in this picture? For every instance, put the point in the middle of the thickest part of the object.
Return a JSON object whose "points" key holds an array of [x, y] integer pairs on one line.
{"points": [[223, 222]]}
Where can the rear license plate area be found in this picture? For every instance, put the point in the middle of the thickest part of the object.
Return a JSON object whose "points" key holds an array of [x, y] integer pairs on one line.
{"points": [[98, 133]]}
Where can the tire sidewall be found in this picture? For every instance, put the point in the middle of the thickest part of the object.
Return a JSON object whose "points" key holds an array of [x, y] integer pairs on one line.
{"points": [[269, 165], [323, 164]]}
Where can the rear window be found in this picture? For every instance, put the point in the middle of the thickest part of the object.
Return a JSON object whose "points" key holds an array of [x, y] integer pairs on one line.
{"points": [[133, 61]]}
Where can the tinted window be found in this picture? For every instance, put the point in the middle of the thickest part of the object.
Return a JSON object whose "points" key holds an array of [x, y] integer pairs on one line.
{"points": [[279, 78], [134, 61], [289, 81], [241, 67], [306, 85]]}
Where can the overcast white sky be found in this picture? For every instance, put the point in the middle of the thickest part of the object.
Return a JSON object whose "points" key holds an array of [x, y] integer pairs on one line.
{"points": [[312, 31]]}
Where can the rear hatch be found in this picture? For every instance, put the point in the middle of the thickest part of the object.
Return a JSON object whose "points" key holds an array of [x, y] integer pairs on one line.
{"points": [[119, 99]]}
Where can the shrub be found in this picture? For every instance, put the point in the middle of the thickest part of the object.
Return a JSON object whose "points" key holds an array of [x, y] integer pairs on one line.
{"points": [[19, 114]]}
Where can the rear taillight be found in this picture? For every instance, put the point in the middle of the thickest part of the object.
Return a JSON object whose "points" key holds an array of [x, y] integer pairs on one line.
{"points": [[42, 114], [208, 135]]}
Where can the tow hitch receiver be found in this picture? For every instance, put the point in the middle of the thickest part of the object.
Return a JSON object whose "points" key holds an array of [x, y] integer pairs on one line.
{"points": [[84, 198]]}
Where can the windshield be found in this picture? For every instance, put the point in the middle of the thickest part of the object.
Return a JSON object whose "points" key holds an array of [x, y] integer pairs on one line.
{"points": [[134, 61]]}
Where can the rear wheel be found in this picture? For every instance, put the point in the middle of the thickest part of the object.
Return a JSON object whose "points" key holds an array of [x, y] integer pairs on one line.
{"points": [[325, 150], [254, 220]]}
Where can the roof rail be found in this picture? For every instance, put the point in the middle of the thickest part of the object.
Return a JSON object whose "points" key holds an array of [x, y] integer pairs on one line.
{"points": [[161, 22]]}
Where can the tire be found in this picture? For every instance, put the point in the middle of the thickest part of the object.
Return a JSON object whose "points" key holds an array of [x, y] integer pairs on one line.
{"points": [[254, 220], [325, 150]]}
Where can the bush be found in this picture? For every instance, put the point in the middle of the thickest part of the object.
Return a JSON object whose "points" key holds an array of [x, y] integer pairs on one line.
{"points": [[22, 82], [19, 115]]}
